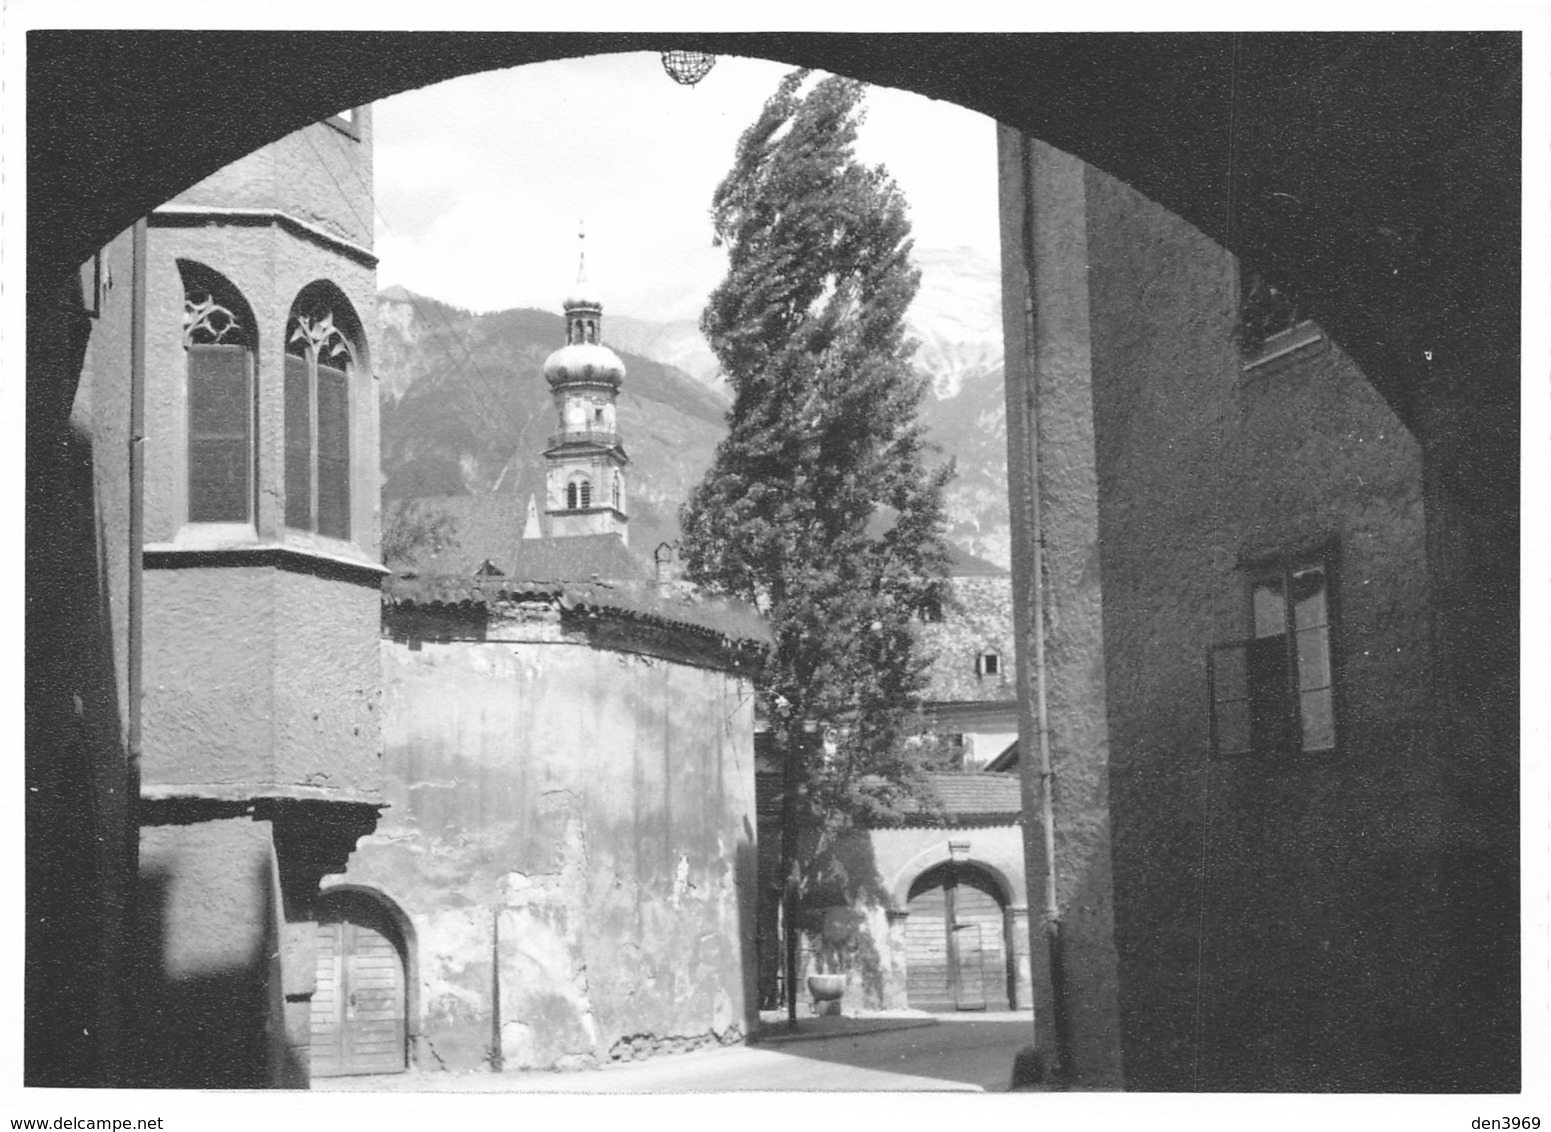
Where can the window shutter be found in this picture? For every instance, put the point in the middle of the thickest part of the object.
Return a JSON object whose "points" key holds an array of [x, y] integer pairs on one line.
{"points": [[1228, 682], [333, 453], [220, 434], [298, 443], [1271, 720]]}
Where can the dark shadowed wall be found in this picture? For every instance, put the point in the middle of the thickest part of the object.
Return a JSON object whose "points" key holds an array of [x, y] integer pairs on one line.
{"points": [[1277, 918]]}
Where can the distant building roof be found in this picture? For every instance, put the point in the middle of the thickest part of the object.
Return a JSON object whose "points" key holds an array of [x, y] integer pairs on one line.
{"points": [[962, 796], [962, 564], [489, 531], [978, 793], [576, 558], [731, 622]]}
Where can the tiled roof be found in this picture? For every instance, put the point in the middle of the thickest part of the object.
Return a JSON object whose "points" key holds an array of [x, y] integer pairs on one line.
{"points": [[577, 558], [978, 792], [962, 795], [963, 564], [731, 621], [487, 526]]}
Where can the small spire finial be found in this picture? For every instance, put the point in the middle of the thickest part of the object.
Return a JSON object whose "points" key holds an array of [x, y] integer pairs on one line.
{"points": [[581, 258]]}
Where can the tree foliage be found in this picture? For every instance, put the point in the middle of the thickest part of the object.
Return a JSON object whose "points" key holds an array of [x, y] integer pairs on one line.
{"points": [[819, 506], [412, 532]]}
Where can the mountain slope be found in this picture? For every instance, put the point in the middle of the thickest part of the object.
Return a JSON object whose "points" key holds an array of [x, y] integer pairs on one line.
{"points": [[466, 413]]}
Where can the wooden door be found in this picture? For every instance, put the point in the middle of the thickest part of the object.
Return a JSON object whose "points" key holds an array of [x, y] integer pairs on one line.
{"points": [[358, 1010], [955, 942]]}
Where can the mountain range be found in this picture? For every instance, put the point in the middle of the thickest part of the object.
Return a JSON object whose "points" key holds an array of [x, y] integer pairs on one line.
{"points": [[466, 412]]}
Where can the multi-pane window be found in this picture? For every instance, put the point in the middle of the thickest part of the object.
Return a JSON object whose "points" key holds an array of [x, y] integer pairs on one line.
{"points": [[317, 424], [1275, 692], [218, 344], [578, 495]]}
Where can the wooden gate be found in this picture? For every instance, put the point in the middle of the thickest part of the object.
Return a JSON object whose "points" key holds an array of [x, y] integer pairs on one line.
{"points": [[358, 1008], [955, 942]]}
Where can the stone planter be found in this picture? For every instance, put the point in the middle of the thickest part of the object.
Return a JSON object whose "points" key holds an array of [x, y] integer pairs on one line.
{"points": [[826, 991]]}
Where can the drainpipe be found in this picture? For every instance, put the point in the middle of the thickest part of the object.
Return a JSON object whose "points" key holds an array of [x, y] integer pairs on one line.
{"points": [[497, 1059], [136, 500], [133, 659], [1030, 431]]}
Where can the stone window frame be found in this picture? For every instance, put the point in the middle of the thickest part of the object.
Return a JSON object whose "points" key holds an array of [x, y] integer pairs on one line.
{"points": [[324, 334], [988, 662], [218, 323], [1271, 673]]}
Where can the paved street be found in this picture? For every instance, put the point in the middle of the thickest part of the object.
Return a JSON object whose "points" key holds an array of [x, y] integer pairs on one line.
{"points": [[954, 1053]]}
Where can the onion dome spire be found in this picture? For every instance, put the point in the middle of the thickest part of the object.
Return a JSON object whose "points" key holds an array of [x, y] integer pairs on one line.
{"points": [[583, 359]]}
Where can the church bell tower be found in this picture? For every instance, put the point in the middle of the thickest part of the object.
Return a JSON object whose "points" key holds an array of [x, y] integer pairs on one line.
{"points": [[586, 461]]}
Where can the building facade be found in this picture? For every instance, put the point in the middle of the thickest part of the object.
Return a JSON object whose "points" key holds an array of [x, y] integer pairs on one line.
{"points": [[1251, 865], [564, 875], [933, 911], [226, 348]]}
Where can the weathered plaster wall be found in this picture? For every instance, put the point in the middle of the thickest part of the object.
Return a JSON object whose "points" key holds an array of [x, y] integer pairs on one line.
{"points": [[1054, 512], [977, 617], [209, 684], [593, 809], [205, 956], [1277, 922], [896, 857], [328, 684]]}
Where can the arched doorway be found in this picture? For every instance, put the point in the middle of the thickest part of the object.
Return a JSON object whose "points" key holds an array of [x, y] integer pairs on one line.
{"points": [[956, 953], [360, 1004]]}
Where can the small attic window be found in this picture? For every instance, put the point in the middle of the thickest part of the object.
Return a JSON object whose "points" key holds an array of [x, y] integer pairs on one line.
{"points": [[988, 664]]}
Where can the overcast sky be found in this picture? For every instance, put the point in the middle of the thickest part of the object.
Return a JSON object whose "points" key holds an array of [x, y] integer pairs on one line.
{"points": [[481, 181]]}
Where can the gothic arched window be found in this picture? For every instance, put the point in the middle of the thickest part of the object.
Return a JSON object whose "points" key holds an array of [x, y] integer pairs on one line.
{"points": [[578, 494], [218, 339], [319, 355]]}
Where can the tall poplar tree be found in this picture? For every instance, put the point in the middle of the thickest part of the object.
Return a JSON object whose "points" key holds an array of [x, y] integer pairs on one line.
{"points": [[819, 506]]}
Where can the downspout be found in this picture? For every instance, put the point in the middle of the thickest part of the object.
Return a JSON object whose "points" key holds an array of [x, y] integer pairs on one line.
{"points": [[1052, 911], [136, 502], [497, 1057], [133, 659]]}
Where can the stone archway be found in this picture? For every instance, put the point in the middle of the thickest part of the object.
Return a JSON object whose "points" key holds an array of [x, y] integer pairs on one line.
{"points": [[1375, 175], [363, 1004], [958, 939]]}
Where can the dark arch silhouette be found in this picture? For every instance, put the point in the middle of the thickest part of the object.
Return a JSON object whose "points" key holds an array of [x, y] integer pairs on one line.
{"points": [[1375, 177], [1321, 158]]}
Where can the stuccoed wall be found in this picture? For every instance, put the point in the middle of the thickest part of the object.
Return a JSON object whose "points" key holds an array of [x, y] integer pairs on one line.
{"points": [[584, 816], [977, 617], [883, 863], [1277, 922], [205, 958]]}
